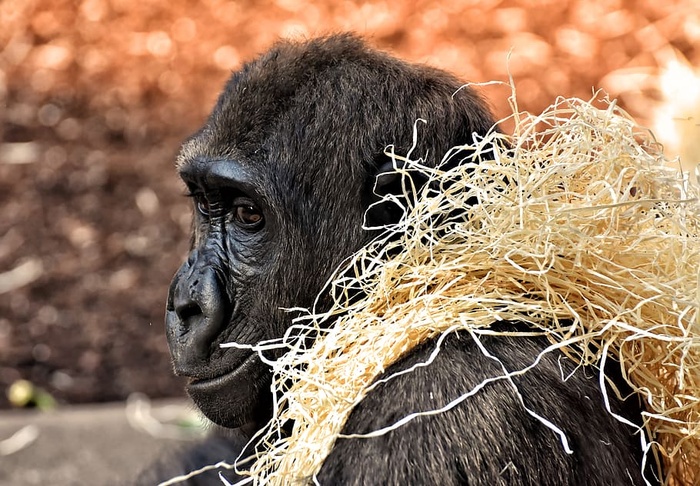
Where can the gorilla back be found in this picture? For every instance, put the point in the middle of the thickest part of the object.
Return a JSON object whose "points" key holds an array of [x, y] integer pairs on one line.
{"points": [[281, 176]]}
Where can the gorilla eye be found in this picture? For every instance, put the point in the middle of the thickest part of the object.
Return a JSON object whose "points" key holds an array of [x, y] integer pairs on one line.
{"points": [[247, 215], [202, 205]]}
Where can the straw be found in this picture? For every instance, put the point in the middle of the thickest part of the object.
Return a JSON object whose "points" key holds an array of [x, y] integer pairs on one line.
{"points": [[581, 230]]}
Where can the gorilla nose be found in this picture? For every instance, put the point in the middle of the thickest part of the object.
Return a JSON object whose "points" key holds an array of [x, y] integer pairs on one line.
{"points": [[195, 316]]}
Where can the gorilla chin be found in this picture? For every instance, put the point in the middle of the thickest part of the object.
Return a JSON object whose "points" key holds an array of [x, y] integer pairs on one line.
{"points": [[235, 398]]}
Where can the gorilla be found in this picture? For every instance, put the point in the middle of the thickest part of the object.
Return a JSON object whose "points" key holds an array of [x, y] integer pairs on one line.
{"points": [[281, 177]]}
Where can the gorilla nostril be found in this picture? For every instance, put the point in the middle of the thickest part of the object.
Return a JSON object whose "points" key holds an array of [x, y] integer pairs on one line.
{"points": [[191, 309]]}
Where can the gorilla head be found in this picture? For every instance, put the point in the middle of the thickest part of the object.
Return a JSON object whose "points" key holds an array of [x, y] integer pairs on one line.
{"points": [[280, 176]]}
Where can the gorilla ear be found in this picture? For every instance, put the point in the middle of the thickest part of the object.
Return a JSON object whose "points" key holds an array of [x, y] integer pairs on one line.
{"points": [[390, 189]]}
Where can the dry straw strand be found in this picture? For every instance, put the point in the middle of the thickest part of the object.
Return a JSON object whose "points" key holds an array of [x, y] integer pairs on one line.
{"points": [[581, 230]]}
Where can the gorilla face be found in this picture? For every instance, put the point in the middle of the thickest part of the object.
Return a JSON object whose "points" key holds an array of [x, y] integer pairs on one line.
{"points": [[256, 251], [280, 177]]}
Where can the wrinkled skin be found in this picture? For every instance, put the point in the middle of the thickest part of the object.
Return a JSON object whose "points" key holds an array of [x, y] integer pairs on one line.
{"points": [[281, 176]]}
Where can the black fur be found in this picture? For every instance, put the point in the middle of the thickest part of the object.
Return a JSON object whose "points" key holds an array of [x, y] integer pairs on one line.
{"points": [[488, 439], [298, 136]]}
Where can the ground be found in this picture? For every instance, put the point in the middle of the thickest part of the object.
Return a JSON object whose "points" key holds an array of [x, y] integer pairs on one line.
{"points": [[96, 95], [111, 457]]}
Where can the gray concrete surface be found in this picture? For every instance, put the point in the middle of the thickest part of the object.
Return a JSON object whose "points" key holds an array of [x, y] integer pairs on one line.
{"points": [[86, 445]]}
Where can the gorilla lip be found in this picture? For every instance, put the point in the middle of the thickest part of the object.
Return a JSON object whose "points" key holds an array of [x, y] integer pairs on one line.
{"points": [[223, 379]]}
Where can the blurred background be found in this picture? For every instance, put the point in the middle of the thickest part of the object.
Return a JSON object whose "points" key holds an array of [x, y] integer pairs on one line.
{"points": [[96, 95]]}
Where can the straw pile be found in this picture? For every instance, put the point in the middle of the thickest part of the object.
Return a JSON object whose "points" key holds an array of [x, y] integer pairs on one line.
{"points": [[581, 230]]}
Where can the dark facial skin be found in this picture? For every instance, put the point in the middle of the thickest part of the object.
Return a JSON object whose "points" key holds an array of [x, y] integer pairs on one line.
{"points": [[204, 306], [280, 177]]}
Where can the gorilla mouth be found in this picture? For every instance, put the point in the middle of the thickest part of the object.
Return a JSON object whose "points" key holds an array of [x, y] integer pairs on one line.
{"points": [[239, 372], [233, 398]]}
